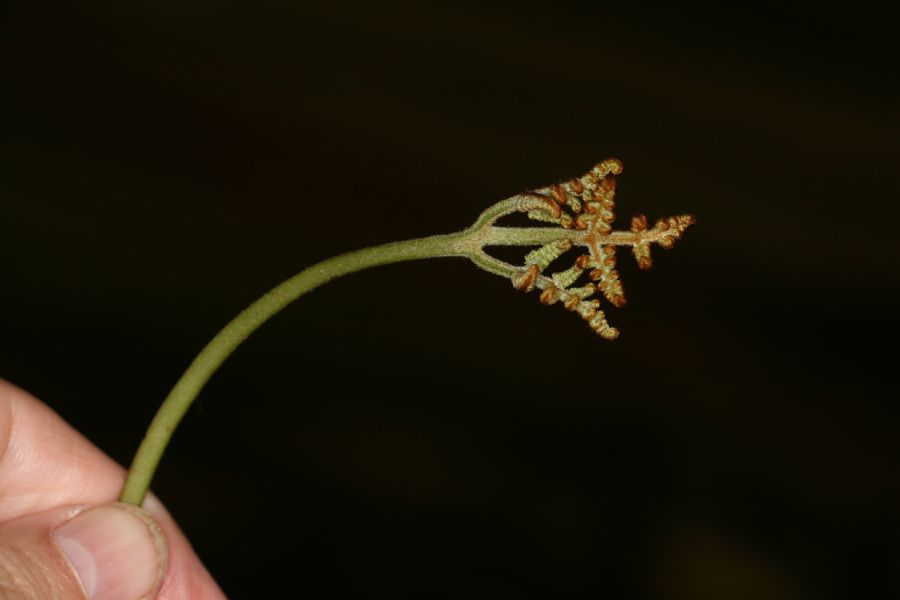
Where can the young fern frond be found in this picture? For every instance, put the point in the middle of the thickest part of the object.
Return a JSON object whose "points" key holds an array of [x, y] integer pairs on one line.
{"points": [[584, 211], [579, 212]]}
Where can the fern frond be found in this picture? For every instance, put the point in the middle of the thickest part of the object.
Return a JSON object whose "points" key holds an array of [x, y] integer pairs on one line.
{"points": [[586, 206]]}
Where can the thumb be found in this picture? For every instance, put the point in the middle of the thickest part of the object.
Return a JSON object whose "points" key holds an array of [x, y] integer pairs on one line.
{"points": [[113, 551]]}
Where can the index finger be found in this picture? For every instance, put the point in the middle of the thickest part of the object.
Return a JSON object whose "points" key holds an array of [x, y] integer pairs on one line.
{"points": [[44, 462]]}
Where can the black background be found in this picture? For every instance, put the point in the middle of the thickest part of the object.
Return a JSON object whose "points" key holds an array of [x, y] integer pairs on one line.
{"points": [[423, 429]]}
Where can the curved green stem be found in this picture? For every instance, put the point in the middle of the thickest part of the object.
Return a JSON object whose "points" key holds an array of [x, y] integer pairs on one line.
{"points": [[230, 337], [468, 244]]}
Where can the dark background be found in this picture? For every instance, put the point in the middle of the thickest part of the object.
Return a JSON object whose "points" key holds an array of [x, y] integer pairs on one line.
{"points": [[423, 429]]}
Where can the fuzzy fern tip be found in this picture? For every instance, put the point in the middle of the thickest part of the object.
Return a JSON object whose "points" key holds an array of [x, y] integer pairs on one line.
{"points": [[585, 208]]}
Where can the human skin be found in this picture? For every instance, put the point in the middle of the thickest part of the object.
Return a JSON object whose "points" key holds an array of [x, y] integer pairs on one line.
{"points": [[49, 473]]}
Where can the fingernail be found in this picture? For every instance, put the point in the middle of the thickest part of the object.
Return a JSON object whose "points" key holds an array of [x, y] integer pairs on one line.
{"points": [[117, 550]]}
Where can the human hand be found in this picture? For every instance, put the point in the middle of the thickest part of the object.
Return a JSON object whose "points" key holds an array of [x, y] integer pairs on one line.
{"points": [[61, 535]]}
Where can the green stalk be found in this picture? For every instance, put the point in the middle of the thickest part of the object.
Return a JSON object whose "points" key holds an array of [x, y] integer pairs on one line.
{"points": [[230, 337], [468, 243]]}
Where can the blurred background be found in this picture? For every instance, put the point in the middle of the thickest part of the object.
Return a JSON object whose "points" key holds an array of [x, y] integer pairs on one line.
{"points": [[422, 429]]}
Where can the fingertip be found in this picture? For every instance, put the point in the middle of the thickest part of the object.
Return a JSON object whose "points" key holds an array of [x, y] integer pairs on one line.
{"points": [[117, 550], [44, 462]]}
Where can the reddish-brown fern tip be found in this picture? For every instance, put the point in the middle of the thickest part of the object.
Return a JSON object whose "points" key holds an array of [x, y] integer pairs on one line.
{"points": [[586, 206]]}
